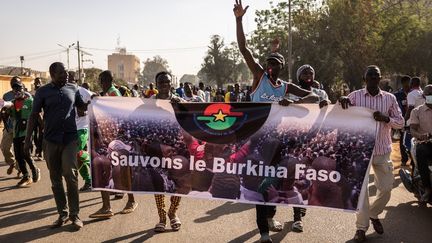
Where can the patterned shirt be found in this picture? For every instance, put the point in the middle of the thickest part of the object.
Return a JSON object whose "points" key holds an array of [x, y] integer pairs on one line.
{"points": [[386, 103]]}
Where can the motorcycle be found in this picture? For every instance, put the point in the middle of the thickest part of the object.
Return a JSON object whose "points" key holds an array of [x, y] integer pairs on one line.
{"points": [[411, 179]]}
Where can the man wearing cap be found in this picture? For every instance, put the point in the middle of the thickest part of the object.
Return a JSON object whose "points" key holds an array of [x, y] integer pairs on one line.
{"points": [[7, 136], [267, 87], [387, 115], [20, 109], [305, 77], [58, 100]]}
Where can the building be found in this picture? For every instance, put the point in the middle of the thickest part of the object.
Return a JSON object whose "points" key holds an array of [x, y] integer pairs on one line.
{"points": [[124, 66]]}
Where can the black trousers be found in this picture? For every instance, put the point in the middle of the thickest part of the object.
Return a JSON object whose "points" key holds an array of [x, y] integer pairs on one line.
{"points": [[402, 148], [424, 157], [21, 158], [264, 212]]}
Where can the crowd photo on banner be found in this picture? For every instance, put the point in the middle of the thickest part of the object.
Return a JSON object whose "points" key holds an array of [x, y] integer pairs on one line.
{"points": [[264, 141]]}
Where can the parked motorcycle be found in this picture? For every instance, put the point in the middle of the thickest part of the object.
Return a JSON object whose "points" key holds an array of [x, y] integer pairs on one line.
{"points": [[411, 179]]}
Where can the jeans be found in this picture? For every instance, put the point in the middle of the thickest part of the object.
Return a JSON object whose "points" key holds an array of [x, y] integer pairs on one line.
{"points": [[61, 162]]}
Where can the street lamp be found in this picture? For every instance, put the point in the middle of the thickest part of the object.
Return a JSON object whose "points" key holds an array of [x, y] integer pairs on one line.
{"points": [[67, 49]]}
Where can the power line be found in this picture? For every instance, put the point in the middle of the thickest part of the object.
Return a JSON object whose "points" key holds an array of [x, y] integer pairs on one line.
{"points": [[149, 50], [30, 54]]}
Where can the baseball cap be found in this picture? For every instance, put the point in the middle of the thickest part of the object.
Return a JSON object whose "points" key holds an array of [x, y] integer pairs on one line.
{"points": [[277, 57], [117, 145]]}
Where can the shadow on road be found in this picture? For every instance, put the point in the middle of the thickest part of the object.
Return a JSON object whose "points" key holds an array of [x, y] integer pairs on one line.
{"points": [[276, 237], [145, 235], [225, 209], [23, 203]]}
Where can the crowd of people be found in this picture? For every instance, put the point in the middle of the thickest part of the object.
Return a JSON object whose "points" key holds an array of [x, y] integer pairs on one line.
{"points": [[56, 113]]}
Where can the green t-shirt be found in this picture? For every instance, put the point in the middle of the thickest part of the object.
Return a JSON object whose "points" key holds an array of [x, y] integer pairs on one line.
{"points": [[21, 111], [113, 91]]}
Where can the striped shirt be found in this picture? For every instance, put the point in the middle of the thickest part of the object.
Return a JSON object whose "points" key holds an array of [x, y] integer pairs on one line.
{"points": [[385, 103]]}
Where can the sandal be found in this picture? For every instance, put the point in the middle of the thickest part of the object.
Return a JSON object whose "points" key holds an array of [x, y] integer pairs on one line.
{"points": [[274, 225], [175, 224], [159, 227], [297, 226], [129, 208], [102, 214]]}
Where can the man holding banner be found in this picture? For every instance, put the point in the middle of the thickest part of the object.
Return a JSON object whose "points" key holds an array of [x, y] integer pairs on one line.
{"points": [[267, 87], [388, 115]]}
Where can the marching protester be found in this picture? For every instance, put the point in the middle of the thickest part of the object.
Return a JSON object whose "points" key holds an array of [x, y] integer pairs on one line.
{"points": [[57, 99], [163, 84], [38, 130], [82, 124], [108, 89], [421, 128], [388, 115], [20, 110], [188, 94], [305, 77], [267, 87], [401, 97], [7, 135], [151, 91]]}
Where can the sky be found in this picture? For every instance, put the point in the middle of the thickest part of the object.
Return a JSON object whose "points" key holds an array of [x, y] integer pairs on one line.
{"points": [[177, 30]]}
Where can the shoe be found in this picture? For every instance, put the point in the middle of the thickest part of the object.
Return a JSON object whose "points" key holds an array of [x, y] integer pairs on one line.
{"points": [[376, 223], [60, 221], [36, 175], [360, 236], [76, 222], [118, 196], [129, 208], [425, 197], [85, 188], [274, 225], [25, 181], [265, 238], [175, 223], [102, 214], [10, 169], [297, 226], [18, 175], [160, 227]]}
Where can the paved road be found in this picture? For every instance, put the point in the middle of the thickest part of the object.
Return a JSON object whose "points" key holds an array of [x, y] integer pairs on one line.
{"points": [[26, 212]]}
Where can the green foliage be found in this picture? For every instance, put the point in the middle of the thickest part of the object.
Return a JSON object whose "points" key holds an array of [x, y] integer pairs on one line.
{"points": [[91, 77], [152, 67], [223, 64], [339, 38]]}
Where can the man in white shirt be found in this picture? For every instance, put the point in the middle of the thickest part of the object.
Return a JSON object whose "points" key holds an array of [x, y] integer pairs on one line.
{"points": [[82, 123]]}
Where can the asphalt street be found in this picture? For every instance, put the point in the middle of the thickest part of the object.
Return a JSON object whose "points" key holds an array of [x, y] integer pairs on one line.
{"points": [[26, 213]]}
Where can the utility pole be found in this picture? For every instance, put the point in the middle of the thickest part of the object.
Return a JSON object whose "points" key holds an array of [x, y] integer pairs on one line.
{"points": [[22, 64], [79, 63], [289, 42], [67, 50]]}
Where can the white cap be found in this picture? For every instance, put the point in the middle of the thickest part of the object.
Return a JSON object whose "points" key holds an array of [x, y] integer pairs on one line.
{"points": [[118, 145]]}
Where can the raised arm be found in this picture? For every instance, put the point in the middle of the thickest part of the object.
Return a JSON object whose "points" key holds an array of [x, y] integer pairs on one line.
{"points": [[254, 67]]}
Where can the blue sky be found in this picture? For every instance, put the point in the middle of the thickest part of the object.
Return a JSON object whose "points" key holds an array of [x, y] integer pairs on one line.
{"points": [[179, 31]]}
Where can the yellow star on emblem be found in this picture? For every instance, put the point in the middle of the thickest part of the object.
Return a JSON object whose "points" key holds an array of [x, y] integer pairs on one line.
{"points": [[220, 116]]}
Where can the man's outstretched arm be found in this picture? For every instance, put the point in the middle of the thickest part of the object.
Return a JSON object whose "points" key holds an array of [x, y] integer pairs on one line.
{"points": [[255, 68]]}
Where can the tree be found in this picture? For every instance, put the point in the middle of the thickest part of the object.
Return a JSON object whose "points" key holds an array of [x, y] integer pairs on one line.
{"points": [[189, 78], [152, 67], [223, 64], [91, 77], [339, 38]]}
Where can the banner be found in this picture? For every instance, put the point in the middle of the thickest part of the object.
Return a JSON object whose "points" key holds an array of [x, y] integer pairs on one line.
{"points": [[258, 153]]}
